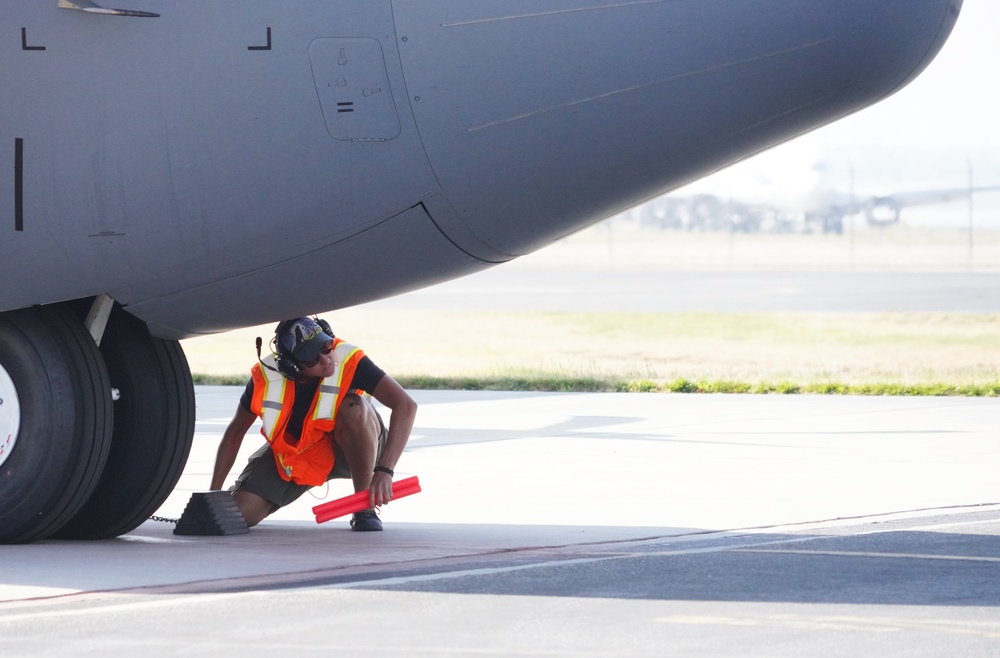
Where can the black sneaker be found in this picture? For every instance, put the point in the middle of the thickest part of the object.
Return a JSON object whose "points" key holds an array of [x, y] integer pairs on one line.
{"points": [[366, 521]]}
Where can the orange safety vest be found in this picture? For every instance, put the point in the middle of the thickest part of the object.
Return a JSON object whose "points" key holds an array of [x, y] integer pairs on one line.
{"points": [[309, 460]]}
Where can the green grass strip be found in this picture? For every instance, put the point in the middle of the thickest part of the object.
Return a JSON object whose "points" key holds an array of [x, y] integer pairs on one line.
{"points": [[588, 384], [563, 384]]}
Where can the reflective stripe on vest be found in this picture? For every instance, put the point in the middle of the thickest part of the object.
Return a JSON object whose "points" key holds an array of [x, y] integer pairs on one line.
{"points": [[269, 392], [273, 399], [329, 389]]}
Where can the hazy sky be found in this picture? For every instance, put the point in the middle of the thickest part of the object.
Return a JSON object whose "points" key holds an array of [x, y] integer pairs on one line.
{"points": [[954, 105]]}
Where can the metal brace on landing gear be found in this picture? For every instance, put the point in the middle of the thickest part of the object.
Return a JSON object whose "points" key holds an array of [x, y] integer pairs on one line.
{"points": [[97, 318]]}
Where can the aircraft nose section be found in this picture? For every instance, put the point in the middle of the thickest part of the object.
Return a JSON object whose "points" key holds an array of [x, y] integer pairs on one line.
{"points": [[586, 108]]}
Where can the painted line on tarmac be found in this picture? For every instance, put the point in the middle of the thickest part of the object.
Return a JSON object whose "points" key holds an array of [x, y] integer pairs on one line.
{"points": [[870, 554], [489, 571], [463, 573], [731, 540], [744, 543]]}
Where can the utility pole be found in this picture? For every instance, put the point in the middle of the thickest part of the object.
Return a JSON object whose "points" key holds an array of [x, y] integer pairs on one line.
{"points": [[971, 241], [853, 210]]}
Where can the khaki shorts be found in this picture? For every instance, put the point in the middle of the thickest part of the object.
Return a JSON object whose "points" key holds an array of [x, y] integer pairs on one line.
{"points": [[261, 477]]}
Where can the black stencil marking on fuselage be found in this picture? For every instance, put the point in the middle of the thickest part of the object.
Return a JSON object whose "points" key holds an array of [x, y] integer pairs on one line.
{"points": [[24, 41], [267, 47], [18, 184]]}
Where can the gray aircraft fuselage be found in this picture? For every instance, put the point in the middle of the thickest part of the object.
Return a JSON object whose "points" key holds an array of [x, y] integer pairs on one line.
{"points": [[231, 162]]}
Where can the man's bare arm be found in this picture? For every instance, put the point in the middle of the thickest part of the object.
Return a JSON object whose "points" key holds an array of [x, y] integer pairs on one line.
{"points": [[403, 412], [229, 447]]}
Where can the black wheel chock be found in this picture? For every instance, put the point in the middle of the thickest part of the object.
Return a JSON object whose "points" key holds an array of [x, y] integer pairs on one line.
{"points": [[211, 513]]}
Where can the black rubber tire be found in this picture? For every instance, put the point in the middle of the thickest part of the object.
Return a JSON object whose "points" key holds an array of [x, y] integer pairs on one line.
{"points": [[153, 430], [65, 421]]}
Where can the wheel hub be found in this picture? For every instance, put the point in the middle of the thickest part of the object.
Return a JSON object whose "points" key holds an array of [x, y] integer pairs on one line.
{"points": [[10, 415]]}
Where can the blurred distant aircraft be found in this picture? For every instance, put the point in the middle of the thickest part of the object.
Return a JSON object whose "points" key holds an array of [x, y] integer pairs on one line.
{"points": [[776, 205]]}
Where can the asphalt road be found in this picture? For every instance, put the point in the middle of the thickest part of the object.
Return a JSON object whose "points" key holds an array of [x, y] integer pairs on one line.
{"points": [[516, 288]]}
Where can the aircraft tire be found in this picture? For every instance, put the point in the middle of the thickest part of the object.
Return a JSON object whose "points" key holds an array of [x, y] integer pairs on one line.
{"points": [[153, 430], [57, 380]]}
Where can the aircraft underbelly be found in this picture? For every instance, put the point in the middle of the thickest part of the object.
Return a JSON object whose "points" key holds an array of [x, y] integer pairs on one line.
{"points": [[406, 247]]}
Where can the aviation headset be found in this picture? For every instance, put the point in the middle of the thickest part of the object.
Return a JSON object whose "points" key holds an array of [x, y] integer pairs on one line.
{"points": [[287, 364]]}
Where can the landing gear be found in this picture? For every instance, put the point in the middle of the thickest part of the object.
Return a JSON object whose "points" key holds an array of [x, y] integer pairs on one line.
{"points": [[154, 417], [74, 464], [57, 421]]}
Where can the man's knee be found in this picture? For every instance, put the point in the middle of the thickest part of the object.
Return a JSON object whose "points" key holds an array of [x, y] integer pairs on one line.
{"points": [[253, 508], [353, 415]]}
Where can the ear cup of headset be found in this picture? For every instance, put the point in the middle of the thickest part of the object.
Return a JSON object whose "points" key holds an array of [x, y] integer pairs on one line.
{"points": [[287, 365], [325, 326]]}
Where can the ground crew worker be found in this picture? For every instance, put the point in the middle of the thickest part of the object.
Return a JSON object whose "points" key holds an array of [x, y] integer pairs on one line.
{"points": [[312, 395]]}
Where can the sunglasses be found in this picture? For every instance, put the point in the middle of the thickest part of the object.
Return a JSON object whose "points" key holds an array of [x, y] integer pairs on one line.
{"points": [[326, 349]]}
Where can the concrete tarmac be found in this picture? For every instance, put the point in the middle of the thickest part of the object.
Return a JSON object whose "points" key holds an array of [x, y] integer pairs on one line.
{"points": [[573, 525]]}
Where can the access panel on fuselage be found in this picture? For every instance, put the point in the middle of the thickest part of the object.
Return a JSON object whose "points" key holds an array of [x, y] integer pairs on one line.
{"points": [[353, 89]]}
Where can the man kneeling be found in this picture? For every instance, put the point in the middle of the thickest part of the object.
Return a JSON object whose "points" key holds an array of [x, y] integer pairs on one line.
{"points": [[312, 395]]}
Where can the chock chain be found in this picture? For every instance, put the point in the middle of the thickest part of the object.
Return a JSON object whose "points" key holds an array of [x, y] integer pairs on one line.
{"points": [[162, 519]]}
